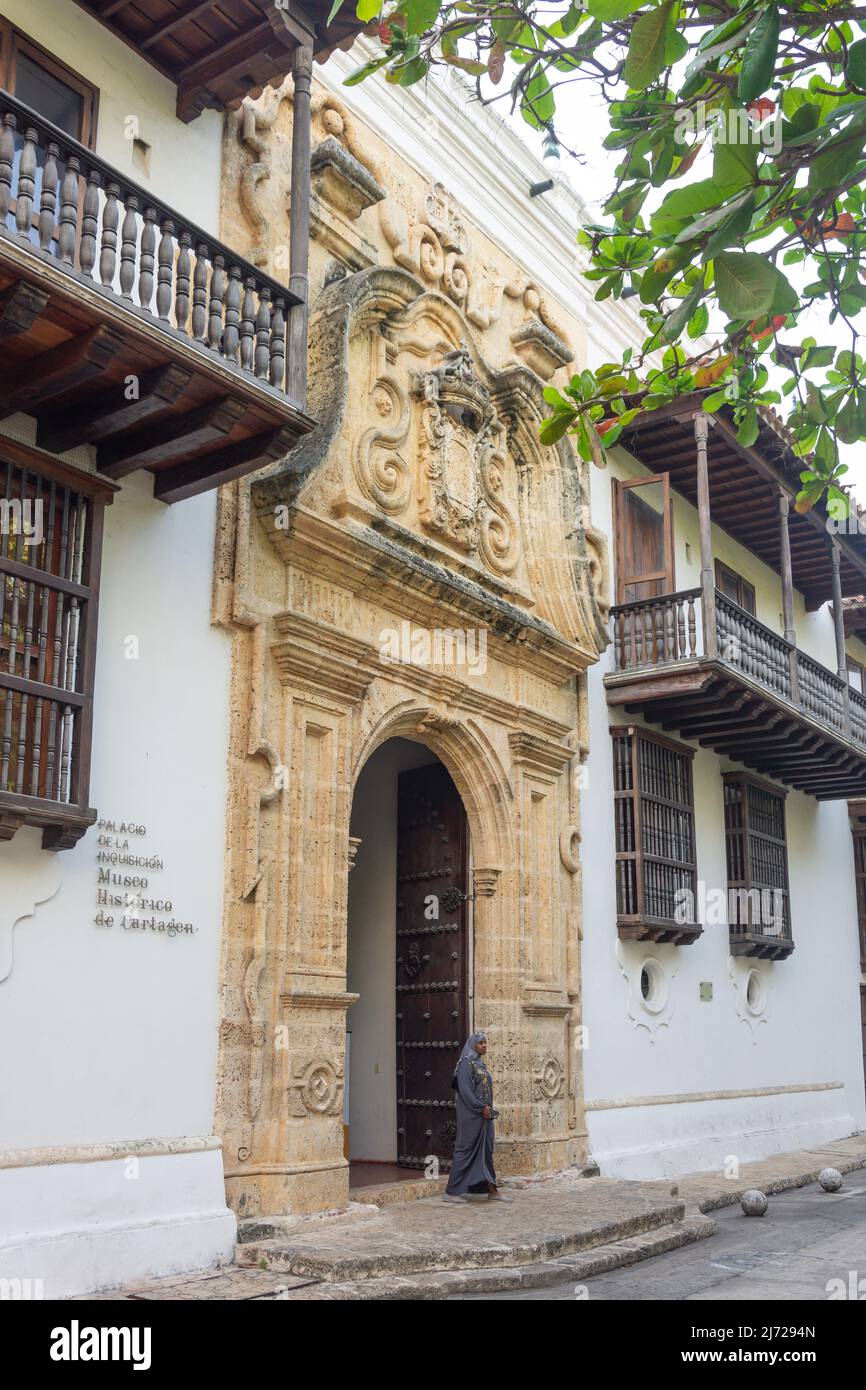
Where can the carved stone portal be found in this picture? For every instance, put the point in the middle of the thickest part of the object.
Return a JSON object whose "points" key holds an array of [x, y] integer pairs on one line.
{"points": [[423, 500]]}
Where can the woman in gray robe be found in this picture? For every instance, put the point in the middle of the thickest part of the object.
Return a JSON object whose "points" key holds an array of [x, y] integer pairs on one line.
{"points": [[472, 1172]]}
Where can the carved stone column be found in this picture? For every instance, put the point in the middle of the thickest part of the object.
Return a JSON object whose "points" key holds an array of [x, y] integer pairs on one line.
{"points": [[295, 1161], [541, 767]]}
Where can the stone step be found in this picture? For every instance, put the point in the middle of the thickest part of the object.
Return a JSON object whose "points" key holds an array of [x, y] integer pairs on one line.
{"points": [[446, 1284], [453, 1238]]}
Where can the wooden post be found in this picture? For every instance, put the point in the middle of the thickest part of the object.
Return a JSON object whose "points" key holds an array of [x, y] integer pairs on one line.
{"points": [[838, 616], [708, 579], [296, 377], [788, 593], [839, 624]]}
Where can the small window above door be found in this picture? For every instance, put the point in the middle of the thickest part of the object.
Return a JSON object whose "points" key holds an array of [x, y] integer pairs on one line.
{"points": [[644, 538], [735, 587]]}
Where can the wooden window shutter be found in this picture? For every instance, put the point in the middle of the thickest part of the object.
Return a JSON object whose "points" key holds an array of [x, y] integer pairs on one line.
{"points": [[643, 529], [759, 909], [50, 557], [656, 871]]}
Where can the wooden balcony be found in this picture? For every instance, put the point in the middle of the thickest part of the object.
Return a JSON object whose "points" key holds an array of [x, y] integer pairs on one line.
{"points": [[127, 327], [713, 673]]}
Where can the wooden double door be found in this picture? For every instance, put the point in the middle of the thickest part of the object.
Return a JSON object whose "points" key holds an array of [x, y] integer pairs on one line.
{"points": [[432, 986]]}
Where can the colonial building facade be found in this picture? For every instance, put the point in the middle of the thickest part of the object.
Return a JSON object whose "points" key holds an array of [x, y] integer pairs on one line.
{"points": [[411, 724]]}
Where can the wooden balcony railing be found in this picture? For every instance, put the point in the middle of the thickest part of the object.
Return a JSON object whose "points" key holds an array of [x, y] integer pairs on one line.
{"points": [[88, 220], [655, 635]]}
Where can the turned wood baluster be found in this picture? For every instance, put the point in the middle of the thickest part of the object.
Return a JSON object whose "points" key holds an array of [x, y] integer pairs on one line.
{"points": [[48, 199], [199, 293], [90, 224], [233, 314], [693, 628], [164, 272], [215, 308], [263, 335], [618, 620], [638, 636], [670, 647], [681, 629], [147, 259], [67, 230], [7, 161], [108, 250], [649, 642], [128, 244], [248, 325], [628, 640], [184, 265], [278, 344], [26, 184]]}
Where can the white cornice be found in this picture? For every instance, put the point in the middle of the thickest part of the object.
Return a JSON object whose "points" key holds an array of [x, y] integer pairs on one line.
{"points": [[443, 133]]}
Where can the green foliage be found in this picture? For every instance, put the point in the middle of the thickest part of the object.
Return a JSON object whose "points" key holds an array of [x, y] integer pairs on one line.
{"points": [[742, 243]]}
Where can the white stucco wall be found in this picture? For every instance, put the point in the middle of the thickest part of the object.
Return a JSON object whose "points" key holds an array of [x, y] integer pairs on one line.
{"points": [[114, 1031], [184, 159], [809, 1033]]}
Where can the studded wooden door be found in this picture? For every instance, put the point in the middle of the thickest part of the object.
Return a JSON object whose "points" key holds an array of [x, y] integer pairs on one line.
{"points": [[432, 961]]}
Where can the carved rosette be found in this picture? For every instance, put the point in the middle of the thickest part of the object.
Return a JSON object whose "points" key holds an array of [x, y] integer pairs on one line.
{"points": [[316, 1088], [549, 1077]]}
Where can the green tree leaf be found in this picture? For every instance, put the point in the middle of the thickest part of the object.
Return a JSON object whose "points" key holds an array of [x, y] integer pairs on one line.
{"points": [[646, 50], [735, 165], [613, 9], [419, 14], [856, 65], [759, 58], [748, 285]]}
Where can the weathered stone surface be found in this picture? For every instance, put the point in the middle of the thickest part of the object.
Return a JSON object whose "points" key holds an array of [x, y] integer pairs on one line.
{"points": [[424, 496], [754, 1202]]}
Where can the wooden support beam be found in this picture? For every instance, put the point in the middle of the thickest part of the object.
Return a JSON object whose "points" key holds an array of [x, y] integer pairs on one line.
{"points": [[61, 369], [21, 305], [708, 578], [180, 434], [299, 247], [168, 26], [60, 430], [228, 56], [815, 517], [223, 465], [838, 614]]}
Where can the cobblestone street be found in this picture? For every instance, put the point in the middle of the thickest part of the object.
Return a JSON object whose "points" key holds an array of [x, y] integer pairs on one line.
{"points": [[810, 1245]]}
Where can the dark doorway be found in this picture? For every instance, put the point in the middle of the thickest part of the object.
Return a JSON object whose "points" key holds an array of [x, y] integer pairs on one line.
{"points": [[432, 960]]}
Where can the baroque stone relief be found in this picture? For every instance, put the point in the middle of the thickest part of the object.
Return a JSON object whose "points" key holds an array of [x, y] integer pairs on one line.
{"points": [[422, 231], [434, 451]]}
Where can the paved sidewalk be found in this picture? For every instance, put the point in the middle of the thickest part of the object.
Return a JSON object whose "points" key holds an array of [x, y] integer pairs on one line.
{"points": [[556, 1229]]}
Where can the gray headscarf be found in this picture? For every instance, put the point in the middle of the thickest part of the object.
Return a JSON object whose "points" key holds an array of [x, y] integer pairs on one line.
{"points": [[469, 1053]]}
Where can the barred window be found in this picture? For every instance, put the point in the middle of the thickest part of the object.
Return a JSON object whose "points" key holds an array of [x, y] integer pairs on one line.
{"points": [[656, 873], [759, 910], [50, 544]]}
